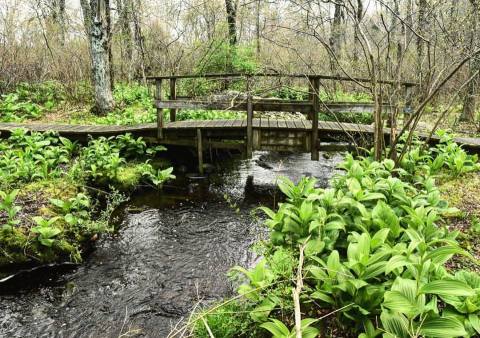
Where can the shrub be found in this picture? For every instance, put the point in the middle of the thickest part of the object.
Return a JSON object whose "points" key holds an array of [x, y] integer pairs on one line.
{"points": [[375, 248]]}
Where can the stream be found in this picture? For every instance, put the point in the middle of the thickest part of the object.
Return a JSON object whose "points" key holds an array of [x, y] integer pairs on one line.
{"points": [[170, 255]]}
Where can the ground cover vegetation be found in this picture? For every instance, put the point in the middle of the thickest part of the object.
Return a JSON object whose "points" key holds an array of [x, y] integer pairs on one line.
{"points": [[371, 256], [57, 196]]}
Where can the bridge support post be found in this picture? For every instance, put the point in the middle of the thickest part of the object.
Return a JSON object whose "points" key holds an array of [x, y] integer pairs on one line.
{"points": [[158, 97], [315, 87], [200, 151], [249, 121], [173, 96]]}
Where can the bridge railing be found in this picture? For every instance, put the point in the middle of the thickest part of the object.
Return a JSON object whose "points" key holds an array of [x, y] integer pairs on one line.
{"points": [[249, 103]]}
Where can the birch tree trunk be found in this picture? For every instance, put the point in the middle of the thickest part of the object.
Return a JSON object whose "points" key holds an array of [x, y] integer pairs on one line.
{"points": [[96, 25]]}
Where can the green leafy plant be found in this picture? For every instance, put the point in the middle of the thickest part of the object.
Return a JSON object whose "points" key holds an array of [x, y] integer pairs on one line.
{"points": [[46, 230], [279, 330], [375, 246], [7, 204]]}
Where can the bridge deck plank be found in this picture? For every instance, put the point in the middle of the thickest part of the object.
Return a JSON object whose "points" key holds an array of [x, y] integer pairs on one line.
{"points": [[263, 123]]}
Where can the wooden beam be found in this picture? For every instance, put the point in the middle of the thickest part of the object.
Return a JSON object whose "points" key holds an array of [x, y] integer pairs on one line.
{"points": [[277, 75], [315, 82], [158, 98], [249, 121], [173, 97], [200, 151], [239, 105], [304, 107]]}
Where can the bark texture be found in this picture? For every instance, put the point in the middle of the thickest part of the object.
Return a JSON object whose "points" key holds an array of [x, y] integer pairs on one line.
{"points": [[337, 32], [96, 20], [470, 99]]}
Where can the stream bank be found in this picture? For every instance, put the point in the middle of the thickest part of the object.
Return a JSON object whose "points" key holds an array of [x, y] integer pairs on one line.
{"points": [[171, 252]]}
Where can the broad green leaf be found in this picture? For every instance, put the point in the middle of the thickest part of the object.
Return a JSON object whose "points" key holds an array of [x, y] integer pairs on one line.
{"points": [[354, 186], [398, 302], [260, 313], [474, 322], [310, 332], [276, 328], [445, 327], [372, 196], [318, 272], [395, 324], [448, 288], [333, 264], [396, 262], [270, 213], [403, 297], [442, 254], [373, 270], [384, 217], [320, 295], [314, 246], [357, 283], [379, 238]]}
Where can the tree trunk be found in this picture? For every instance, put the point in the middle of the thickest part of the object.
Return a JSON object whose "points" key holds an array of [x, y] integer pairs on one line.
{"points": [[61, 21], [409, 21], [420, 44], [398, 32], [257, 30], [231, 8], [139, 42], [337, 32], [469, 101], [96, 25], [124, 9], [356, 40], [108, 27]]}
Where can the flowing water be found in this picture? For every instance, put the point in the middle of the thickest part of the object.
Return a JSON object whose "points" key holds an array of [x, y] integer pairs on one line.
{"points": [[171, 253]]}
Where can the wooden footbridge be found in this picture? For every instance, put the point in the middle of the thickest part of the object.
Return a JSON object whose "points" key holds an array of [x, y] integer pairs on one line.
{"points": [[257, 131]]}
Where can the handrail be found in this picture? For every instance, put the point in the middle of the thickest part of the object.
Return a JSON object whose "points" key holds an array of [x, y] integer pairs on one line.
{"points": [[305, 76]]}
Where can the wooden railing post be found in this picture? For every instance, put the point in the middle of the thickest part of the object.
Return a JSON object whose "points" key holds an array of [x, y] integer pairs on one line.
{"points": [[315, 85], [173, 96], [249, 120], [200, 151], [311, 95], [158, 97]]}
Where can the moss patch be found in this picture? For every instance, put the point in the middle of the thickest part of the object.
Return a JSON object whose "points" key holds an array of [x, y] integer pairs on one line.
{"points": [[464, 194]]}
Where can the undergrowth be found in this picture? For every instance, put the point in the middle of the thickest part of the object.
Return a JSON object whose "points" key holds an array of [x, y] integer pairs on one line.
{"points": [[367, 257], [56, 195], [30, 101]]}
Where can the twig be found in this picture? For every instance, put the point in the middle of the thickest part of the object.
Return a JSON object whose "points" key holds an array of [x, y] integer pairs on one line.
{"points": [[296, 292], [208, 328]]}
